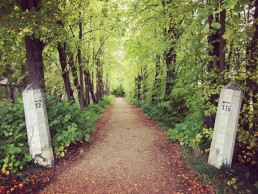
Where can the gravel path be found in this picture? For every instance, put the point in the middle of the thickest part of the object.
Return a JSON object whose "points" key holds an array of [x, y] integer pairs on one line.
{"points": [[130, 155]]}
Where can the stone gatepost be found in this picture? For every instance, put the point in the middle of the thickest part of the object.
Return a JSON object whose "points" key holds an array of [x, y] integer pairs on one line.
{"points": [[37, 126], [225, 129]]}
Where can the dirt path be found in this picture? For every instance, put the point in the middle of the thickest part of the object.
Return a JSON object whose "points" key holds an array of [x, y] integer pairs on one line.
{"points": [[130, 155]]}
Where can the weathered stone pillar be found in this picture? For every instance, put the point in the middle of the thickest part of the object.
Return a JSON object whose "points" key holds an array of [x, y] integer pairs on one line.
{"points": [[37, 126], [224, 135]]}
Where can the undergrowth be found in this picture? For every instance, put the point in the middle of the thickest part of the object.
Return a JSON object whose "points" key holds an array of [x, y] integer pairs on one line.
{"points": [[157, 112], [68, 125], [237, 179], [190, 133], [118, 91]]}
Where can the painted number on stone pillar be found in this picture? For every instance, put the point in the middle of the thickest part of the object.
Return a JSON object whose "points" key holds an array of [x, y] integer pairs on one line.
{"points": [[38, 103], [226, 106]]}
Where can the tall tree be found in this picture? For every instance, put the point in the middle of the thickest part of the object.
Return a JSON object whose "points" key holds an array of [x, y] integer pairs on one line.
{"points": [[251, 66], [65, 71], [79, 55], [34, 48], [215, 54], [222, 40]]}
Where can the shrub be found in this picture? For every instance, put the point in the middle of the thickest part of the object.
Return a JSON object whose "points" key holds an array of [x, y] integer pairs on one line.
{"points": [[14, 149], [162, 112], [187, 131], [68, 125], [119, 91], [158, 113]]}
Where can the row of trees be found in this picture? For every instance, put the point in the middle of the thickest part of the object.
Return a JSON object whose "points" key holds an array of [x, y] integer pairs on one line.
{"points": [[61, 46], [182, 53], [179, 54]]}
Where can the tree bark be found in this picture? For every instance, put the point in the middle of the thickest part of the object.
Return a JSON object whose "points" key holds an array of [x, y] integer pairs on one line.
{"points": [[12, 93], [138, 84], [107, 86], [213, 66], [81, 93], [144, 83], [87, 89], [65, 73], [34, 62], [29, 4], [250, 98], [222, 41], [213, 40], [170, 58], [157, 81], [101, 89], [79, 55], [90, 86], [74, 73], [99, 81], [135, 87], [169, 55], [100, 84], [34, 48]]}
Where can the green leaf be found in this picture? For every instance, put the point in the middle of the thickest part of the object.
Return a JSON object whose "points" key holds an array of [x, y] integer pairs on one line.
{"points": [[62, 154], [13, 47], [216, 25], [239, 8], [230, 3], [6, 160], [17, 163], [87, 137], [28, 157]]}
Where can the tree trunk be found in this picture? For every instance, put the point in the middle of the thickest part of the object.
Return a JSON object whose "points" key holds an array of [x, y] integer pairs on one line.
{"points": [[250, 98], [214, 40], [90, 86], [222, 41], [169, 55], [138, 86], [213, 66], [99, 80], [101, 89], [170, 58], [157, 81], [144, 83], [74, 73], [29, 4], [135, 88], [65, 73], [107, 86], [81, 93], [34, 48], [87, 89], [34, 62], [12, 94], [79, 55]]}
